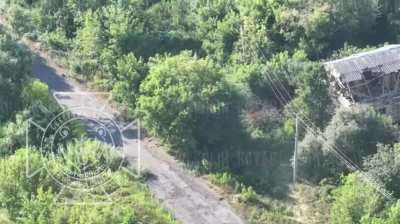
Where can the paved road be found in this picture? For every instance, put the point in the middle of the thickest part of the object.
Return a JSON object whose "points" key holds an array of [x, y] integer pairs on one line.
{"points": [[190, 199]]}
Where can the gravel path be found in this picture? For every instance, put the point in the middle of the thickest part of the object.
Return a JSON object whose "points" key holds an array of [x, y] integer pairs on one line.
{"points": [[192, 200]]}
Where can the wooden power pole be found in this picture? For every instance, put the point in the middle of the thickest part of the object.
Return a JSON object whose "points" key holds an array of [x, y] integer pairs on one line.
{"points": [[139, 144], [295, 149]]}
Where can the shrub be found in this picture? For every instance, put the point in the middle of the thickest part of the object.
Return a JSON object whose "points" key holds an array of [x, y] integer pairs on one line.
{"points": [[14, 183], [130, 73], [15, 72], [4, 217], [354, 201], [311, 159], [227, 181], [249, 195], [187, 103], [38, 92], [355, 133], [13, 136], [19, 20], [91, 155], [56, 40], [384, 166]]}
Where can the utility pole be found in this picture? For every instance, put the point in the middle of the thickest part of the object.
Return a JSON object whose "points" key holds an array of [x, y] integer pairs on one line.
{"points": [[139, 160], [295, 149]]}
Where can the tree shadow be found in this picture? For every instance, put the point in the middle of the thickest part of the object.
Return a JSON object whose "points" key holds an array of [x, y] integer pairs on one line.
{"points": [[49, 75]]}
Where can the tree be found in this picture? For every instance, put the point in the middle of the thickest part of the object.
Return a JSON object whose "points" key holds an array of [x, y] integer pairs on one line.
{"points": [[318, 31], [38, 198], [312, 99], [36, 92], [392, 216], [349, 50], [187, 102], [39, 208], [19, 20], [389, 19], [355, 20], [13, 135], [217, 27], [130, 73], [14, 184], [15, 71], [355, 133], [355, 201], [281, 73], [311, 159], [255, 41], [88, 45], [384, 166]]}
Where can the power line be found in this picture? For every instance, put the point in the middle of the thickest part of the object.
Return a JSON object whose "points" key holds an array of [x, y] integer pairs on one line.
{"points": [[310, 127]]}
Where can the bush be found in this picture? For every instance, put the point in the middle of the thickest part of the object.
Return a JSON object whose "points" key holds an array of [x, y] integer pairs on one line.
{"points": [[19, 20], [56, 40], [357, 132], [312, 99], [91, 155], [228, 182], [87, 46], [248, 195], [4, 217], [38, 198], [15, 72], [130, 73], [392, 216], [187, 103], [311, 159], [354, 133], [384, 166], [38, 92], [355, 201], [13, 136], [14, 183]]}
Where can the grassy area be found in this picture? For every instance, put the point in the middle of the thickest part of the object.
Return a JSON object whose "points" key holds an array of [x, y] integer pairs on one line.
{"points": [[303, 204]]}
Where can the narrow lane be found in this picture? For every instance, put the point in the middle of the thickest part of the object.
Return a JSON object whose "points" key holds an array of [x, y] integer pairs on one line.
{"points": [[190, 199]]}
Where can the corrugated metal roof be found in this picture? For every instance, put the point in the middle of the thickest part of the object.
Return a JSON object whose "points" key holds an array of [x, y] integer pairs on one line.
{"points": [[386, 59]]}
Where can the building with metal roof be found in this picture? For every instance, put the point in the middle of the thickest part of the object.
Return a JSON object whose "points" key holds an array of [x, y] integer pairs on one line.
{"points": [[371, 77]]}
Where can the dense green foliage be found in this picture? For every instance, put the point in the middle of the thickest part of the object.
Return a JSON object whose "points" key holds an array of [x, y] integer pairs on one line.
{"points": [[37, 200], [353, 133], [384, 167], [15, 65], [31, 189], [187, 103], [214, 78], [355, 202]]}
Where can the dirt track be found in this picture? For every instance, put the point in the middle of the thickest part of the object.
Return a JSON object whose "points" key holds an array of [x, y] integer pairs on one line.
{"points": [[190, 199]]}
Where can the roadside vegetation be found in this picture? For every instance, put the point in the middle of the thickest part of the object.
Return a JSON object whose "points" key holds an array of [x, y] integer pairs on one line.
{"points": [[202, 75], [40, 198]]}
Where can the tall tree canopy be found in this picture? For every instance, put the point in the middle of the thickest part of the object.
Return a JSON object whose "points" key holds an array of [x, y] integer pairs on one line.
{"points": [[15, 71], [182, 99]]}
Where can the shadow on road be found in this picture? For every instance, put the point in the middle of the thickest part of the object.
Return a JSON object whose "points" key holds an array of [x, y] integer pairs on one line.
{"points": [[48, 75], [103, 130]]}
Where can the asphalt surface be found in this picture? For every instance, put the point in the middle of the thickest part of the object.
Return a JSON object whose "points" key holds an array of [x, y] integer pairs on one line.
{"points": [[190, 199]]}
